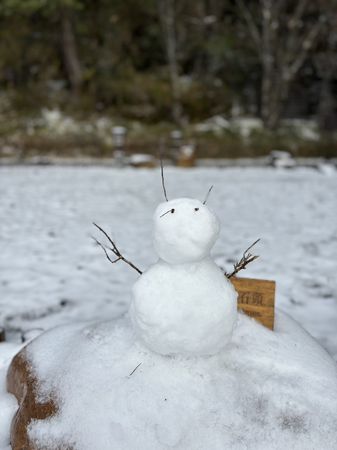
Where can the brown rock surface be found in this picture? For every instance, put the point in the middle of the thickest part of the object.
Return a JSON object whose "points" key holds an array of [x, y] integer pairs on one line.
{"points": [[22, 383]]}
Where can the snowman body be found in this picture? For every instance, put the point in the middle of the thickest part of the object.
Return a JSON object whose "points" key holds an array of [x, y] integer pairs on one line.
{"points": [[184, 304]]}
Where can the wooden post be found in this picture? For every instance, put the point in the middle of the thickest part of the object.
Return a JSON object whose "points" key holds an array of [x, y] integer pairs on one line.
{"points": [[256, 299], [186, 156]]}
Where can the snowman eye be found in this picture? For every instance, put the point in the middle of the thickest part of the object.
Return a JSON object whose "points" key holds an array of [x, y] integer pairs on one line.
{"points": [[196, 209]]}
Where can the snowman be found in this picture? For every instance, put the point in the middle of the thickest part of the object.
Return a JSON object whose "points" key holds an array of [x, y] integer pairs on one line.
{"points": [[184, 304]]}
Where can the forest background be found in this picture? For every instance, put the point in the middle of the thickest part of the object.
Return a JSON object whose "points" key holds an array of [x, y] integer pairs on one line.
{"points": [[237, 78]]}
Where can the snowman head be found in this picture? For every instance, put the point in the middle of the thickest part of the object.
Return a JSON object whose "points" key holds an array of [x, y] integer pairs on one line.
{"points": [[185, 230]]}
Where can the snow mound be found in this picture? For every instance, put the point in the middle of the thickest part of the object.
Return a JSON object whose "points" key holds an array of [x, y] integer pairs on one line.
{"points": [[267, 390]]}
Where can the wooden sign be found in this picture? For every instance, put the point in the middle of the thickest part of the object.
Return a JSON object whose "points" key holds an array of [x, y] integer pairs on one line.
{"points": [[256, 299]]}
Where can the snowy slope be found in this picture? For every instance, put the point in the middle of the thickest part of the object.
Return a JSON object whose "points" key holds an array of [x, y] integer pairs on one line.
{"points": [[51, 271]]}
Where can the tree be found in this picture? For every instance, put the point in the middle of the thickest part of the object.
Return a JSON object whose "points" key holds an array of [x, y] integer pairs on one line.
{"points": [[69, 48], [63, 12], [283, 34], [167, 15], [326, 66]]}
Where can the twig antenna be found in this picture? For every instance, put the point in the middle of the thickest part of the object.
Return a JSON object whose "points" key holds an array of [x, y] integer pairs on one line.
{"points": [[207, 195], [162, 168]]}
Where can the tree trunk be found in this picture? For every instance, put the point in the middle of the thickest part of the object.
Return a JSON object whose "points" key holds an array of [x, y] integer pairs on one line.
{"points": [[271, 84], [326, 66], [281, 58], [70, 54], [266, 95], [167, 17], [326, 116], [275, 90]]}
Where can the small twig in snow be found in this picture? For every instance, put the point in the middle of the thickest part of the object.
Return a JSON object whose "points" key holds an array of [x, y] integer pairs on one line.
{"points": [[134, 370], [244, 261], [114, 250]]}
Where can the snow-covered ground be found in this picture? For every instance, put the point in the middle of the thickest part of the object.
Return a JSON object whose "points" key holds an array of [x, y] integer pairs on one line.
{"points": [[52, 272]]}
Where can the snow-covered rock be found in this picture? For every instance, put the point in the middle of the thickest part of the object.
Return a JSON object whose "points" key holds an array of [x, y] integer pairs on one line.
{"points": [[266, 391], [281, 159], [142, 160], [7, 401]]}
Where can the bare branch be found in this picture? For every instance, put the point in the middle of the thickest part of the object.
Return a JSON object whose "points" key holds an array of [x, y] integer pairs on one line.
{"points": [[114, 250], [113, 261], [295, 19], [246, 259], [249, 19], [306, 45]]}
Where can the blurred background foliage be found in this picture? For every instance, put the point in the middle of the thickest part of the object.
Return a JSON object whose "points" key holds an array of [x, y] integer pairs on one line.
{"points": [[155, 65]]}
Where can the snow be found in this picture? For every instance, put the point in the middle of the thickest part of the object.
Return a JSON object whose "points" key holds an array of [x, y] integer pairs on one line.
{"points": [[183, 304], [327, 168], [140, 158], [305, 128], [266, 390], [216, 124], [51, 271], [247, 125]]}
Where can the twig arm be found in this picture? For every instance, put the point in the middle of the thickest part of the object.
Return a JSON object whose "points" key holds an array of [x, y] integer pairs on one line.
{"points": [[246, 259], [106, 252], [114, 250]]}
